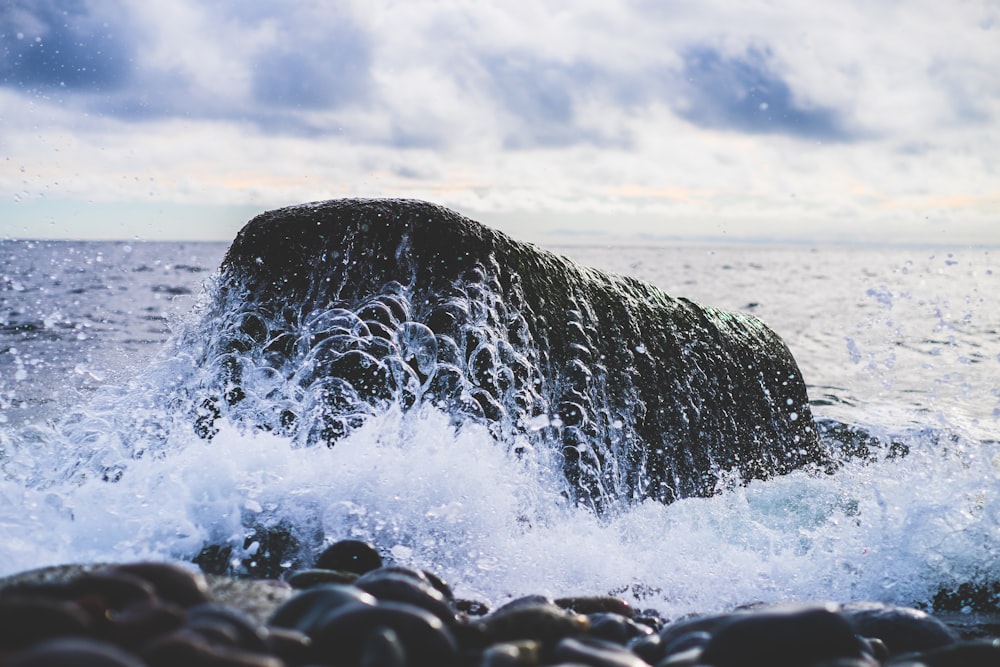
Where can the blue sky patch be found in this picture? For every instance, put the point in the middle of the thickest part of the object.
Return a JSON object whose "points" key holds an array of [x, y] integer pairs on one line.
{"points": [[744, 94]]}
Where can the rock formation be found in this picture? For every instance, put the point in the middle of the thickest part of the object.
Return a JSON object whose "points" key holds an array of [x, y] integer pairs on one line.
{"points": [[347, 307]]}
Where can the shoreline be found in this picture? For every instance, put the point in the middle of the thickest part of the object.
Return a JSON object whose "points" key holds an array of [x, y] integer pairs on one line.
{"points": [[155, 614]]}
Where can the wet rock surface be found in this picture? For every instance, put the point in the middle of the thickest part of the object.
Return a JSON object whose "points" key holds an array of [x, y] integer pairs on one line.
{"points": [[151, 614], [329, 313]]}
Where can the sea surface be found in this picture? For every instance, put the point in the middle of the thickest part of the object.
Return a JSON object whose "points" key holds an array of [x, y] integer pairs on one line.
{"points": [[903, 344]]}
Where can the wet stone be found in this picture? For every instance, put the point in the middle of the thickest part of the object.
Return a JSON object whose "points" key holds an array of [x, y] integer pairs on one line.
{"points": [[448, 318], [615, 628], [525, 601], [310, 577], [523, 326], [704, 623], [350, 556], [292, 646], [650, 618], [531, 619], [440, 584], [172, 582], [343, 634], [902, 629], [512, 654], [777, 638], [969, 653], [471, 607], [237, 627], [383, 648], [304, 611], [878, 649], [75, 652], [398, 587], [113, 589], [648, 647], [188, 647], [424, 577], [93, 615], [688, 658], [596, 653], [687, 641], [26, 619], [138, 624], [364, 372]]}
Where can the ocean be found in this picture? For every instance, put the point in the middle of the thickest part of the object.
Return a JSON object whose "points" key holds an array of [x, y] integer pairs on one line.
{"points": [[99, 462]]}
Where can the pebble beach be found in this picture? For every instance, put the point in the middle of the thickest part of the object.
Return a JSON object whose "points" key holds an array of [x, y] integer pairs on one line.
{"points": [[350, 609]]}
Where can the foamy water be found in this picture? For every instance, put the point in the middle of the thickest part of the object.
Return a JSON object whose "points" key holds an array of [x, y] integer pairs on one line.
{"points": [[493, 518]]}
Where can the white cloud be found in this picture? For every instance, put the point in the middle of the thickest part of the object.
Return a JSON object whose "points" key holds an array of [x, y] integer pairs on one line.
{"points": [[750, 118]]}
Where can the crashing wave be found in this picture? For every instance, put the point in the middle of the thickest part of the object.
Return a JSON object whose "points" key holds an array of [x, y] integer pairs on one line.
{"points": [[329, 313]]}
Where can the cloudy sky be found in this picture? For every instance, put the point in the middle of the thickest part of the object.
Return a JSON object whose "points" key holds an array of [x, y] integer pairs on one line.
{"points": [[652, 120]]}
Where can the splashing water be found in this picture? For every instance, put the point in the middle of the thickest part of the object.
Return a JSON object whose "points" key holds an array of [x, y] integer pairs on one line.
{"points": [[496, 525], [124, 475]]}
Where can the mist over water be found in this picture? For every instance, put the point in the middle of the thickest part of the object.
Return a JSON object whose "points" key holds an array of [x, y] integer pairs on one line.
{"points": [[901, 342]]}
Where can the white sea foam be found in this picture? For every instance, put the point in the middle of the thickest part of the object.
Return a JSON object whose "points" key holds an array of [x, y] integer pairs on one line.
{"points": [[496, 525]]}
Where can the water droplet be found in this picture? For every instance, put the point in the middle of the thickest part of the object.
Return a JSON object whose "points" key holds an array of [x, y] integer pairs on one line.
{"points": [[400, 552], [538, 422]]}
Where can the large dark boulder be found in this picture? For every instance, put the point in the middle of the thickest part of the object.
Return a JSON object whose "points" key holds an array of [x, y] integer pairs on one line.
{"points": [[359, 305]]}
